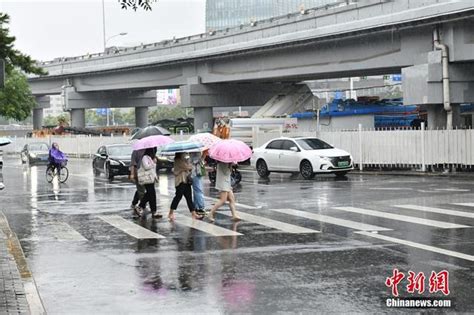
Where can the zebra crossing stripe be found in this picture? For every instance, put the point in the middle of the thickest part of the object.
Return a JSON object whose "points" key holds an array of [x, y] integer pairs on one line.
{"points": [[418, 245], [466, 204], [331, 220], [437, 210], [205, 227], [399, 217], [64, 232], [282, 226], [129, 228]]}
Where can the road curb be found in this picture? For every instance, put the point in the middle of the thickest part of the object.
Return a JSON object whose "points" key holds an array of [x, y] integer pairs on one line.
{"points": [[31, 291], [393, 173]]}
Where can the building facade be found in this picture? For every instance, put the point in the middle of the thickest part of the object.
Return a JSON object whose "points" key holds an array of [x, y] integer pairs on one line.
{"points": [[56, 106], [221, 14]]}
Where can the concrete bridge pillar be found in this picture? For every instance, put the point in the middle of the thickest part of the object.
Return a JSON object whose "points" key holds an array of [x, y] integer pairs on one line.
{"points": [[141, 116], [203, 118], [78, 118], [37, 118]]}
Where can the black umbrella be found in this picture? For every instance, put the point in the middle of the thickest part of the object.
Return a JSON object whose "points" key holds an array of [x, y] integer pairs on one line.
{"points": [[150, 131]]}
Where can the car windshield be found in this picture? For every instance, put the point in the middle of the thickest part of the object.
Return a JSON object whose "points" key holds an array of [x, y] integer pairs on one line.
{"points": [[123, 150], [313, 144], [38, 147]]}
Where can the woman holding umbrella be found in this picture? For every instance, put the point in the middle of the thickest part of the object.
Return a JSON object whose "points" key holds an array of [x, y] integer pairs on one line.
{"points": [[223, 173], [182, 172], [227, 152]]}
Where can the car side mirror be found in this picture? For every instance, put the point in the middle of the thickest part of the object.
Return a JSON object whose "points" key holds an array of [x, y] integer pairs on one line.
{"points": [[294, 149]]}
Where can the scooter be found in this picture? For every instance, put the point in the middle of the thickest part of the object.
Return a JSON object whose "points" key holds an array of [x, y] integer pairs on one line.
{"points": [[235, 176]]}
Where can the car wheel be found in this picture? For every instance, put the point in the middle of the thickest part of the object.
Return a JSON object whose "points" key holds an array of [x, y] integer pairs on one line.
{"points": [[306, 169], [262, 169], [340, 174]]}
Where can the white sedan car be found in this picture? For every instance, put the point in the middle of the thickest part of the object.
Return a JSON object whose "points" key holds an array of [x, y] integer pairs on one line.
{"points": [[308, 156]]}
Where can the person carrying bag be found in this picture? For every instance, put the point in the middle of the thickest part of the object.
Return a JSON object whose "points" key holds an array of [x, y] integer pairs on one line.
{"points": [[147, 176]]}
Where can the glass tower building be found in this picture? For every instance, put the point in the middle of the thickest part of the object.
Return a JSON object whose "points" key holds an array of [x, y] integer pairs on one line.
{"points": [[229, 13]]}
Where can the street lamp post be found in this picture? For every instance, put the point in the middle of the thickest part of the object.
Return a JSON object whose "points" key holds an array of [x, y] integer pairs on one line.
{"points": [[119, 34], [103, 27]]}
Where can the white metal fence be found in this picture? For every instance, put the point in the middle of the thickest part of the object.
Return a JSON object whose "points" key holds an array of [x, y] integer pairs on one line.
{"points": [[375, 148], [396, 148]]}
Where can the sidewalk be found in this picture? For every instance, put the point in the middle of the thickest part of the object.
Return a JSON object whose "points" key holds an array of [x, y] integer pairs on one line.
{"points": [[12, 293], [18, 291]]}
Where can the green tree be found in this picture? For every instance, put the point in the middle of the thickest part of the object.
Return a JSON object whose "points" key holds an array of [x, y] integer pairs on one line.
{"points": [[16, 100], [168, 112], [13, 57]]}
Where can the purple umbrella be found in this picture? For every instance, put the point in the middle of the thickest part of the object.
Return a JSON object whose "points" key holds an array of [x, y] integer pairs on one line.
{"points": [[151, 142]]}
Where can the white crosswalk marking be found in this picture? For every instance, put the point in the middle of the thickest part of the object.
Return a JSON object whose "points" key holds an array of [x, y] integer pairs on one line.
{"points": [[404, 218], [331, 220], [205, 227], [418, 245], [452, 189], [282, 226], [64, 232], [437, 210], [466, 204], [130, 228]]}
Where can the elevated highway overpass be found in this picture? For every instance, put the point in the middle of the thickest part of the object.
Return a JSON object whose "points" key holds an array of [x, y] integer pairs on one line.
{"points": [[248, 65]]}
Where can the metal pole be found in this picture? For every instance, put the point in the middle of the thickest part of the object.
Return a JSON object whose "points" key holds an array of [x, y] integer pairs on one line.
{"points": [[423, 165], [361, 166], [103, 21]]}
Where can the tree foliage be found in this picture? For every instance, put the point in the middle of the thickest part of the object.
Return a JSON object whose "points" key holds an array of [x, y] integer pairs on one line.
{"points": [[135, 4], [16, 100], [168, 112], [56, 120], [13, 57]]}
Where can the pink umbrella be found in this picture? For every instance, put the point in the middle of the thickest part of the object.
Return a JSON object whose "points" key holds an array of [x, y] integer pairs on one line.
{"points": [[151, 142], [206, 139], [230, 151]]}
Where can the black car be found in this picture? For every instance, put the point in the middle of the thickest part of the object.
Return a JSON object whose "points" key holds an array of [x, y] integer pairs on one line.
{"points": [[35, 152], [112, 160], [164, 162]]}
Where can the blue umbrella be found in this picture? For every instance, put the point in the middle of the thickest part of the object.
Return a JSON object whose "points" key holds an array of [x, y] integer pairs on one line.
{"points": [[181, 146], [5, 141]]}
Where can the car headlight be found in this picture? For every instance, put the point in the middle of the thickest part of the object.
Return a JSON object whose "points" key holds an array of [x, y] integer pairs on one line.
{"points": [[325, 158], [33, 155], [113, 162]]}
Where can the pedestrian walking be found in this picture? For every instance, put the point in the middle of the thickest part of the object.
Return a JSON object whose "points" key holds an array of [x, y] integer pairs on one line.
{"points": [[223, 184], [198, 172], [135, 162], [182, 181], [146, 175]]}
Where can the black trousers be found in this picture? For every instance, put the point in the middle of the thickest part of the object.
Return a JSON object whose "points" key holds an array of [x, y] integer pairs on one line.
{"points": [[150, 196], [186, 191]]}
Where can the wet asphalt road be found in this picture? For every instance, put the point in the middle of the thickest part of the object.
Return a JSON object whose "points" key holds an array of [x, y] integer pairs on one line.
{"points": [[86, 259]]}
